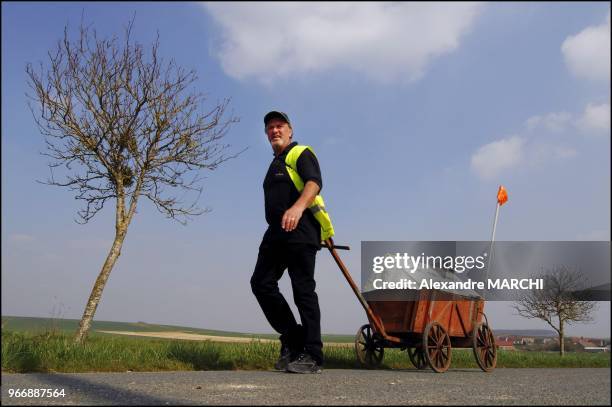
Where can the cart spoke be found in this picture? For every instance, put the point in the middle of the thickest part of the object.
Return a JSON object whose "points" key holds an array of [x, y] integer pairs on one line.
{"points": [[444, 359], [491, 339], [481, 340], [489, 359], [442, 339], [437, 334], [434, 338], [437, 340], [433, 355]]}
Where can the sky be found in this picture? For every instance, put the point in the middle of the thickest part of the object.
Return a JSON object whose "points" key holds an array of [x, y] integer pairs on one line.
{"points": [[416, 111]]}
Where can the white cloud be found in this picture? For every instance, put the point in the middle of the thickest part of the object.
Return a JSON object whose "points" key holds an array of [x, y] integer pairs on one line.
{"points": [[383, 41], [563, 152], [554, 122], [587, 54], [529, 149], [596, 118], [497, 156], [508, 154], [538, 152]]}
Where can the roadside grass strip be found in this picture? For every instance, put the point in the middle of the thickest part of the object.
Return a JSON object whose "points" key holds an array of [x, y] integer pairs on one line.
{"points": [[24, 352]]}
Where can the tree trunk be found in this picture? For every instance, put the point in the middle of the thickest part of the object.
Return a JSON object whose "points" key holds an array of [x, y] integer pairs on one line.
{"points": [[96, 293], [561, 339]]}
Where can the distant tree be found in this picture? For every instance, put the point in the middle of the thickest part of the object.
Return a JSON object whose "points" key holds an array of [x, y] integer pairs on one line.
{"points": [[557, 303], [568, 346], [125, 125]]}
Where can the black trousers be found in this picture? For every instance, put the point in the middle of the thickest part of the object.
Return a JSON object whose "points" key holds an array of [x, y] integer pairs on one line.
{"points": [[299, 260]]}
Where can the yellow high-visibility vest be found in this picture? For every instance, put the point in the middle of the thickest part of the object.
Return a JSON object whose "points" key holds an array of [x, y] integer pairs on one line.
{"points": [[318, 206]]}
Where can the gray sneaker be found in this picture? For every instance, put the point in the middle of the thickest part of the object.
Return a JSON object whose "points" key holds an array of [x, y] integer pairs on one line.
{"points": [[304, 363], [283, 359]]}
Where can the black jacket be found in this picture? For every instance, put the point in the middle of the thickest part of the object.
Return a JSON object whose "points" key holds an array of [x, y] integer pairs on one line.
{"points": [[280, 194]]}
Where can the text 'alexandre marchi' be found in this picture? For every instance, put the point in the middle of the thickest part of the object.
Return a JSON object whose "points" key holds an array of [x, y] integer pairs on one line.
{"points": [[492, 284]]}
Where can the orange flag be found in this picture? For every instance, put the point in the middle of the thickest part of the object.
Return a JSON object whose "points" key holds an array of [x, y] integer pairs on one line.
{"points": [[502, 195]]}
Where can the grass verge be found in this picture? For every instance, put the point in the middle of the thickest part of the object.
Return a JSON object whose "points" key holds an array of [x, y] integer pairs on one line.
{"points": [[55, 352]]}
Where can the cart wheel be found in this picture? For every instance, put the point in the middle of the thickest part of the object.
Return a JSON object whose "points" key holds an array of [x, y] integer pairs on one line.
{"points": [[417, 357], [437, 347], [369, 350], [485, 350]]}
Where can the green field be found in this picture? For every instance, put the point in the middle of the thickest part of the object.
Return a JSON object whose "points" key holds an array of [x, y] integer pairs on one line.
{"points": [[55, 352], [69, 326]]}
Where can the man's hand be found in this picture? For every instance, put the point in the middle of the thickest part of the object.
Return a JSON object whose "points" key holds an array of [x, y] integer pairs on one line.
{"points": [[292, 216]]}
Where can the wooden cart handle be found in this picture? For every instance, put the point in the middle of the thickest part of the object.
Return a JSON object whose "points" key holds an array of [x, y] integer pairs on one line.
{"points": [[324, 244], [329, 243]]}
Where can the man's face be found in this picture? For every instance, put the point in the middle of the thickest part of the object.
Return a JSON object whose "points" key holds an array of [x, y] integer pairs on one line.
{"points": [[279, 134]]}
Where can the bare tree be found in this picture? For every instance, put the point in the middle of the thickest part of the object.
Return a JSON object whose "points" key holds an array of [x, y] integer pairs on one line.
{"points": [[557, 303], [123, 124]]}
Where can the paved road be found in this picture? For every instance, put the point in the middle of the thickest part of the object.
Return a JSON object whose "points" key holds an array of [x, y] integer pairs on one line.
{"points": [[334, 386]]}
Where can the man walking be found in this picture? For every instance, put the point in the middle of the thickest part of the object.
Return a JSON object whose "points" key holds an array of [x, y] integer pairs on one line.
{"points": [[297, 223]]}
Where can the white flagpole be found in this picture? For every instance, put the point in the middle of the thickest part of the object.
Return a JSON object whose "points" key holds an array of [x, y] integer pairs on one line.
{"points": [[490, 260], [495, 223]]}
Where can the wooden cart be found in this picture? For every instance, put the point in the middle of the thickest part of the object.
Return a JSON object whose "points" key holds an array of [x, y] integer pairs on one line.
{"points": [[427, 327]]}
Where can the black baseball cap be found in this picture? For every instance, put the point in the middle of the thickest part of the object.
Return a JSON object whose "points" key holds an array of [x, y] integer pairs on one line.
{"points": [[276, 115]]}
